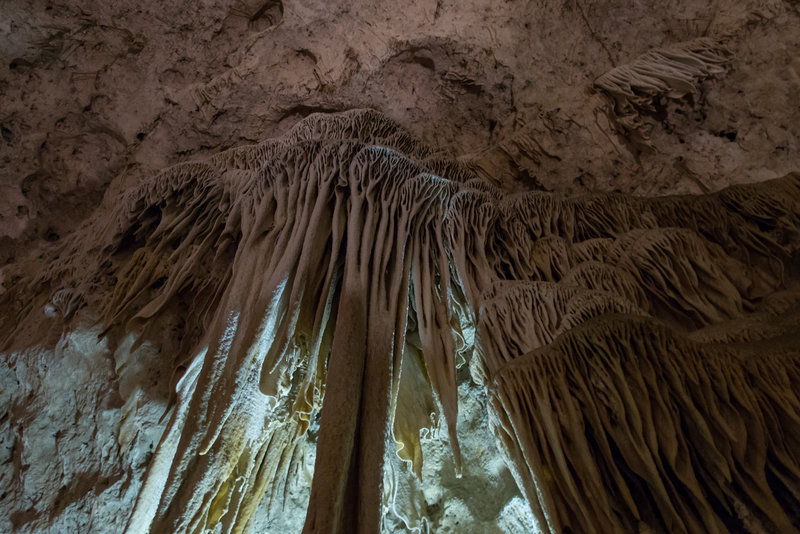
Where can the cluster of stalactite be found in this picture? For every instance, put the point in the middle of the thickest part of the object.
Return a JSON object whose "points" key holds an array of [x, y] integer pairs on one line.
{"points": [[640, 87], [641, 356]]}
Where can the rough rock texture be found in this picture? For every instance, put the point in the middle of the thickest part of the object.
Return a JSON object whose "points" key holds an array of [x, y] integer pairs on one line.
{"points": [[572, 97], [105, 89]]}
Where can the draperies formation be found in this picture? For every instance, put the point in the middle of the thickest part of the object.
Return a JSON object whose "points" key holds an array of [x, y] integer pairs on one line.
{"points": [[640, 355]]}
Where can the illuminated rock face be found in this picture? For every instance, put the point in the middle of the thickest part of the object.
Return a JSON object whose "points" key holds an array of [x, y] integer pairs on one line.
{"points": [[639, 356]]}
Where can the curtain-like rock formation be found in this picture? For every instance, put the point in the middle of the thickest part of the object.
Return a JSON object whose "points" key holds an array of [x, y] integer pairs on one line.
{"points": [[673, 72], [640, 355]]}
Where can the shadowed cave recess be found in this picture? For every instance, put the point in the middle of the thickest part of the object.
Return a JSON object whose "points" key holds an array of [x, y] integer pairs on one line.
{"points": [[341, 304]]}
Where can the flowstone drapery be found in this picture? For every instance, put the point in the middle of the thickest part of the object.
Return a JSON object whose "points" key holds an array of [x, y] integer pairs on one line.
{"points": [[640, 355], [674, 72]]}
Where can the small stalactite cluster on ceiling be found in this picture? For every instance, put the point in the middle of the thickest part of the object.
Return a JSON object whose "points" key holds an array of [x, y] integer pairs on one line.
{"points": [[641, 356]]}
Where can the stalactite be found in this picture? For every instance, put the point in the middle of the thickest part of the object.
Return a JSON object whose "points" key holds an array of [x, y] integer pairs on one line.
{"points": [[639, 376], [673, 71]]}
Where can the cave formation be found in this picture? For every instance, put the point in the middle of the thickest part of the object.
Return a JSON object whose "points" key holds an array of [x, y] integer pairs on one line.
{"points": [[355, 326], [639, 355]]}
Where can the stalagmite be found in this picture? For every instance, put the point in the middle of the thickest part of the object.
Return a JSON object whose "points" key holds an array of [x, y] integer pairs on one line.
{"points": [[641, 356]]}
